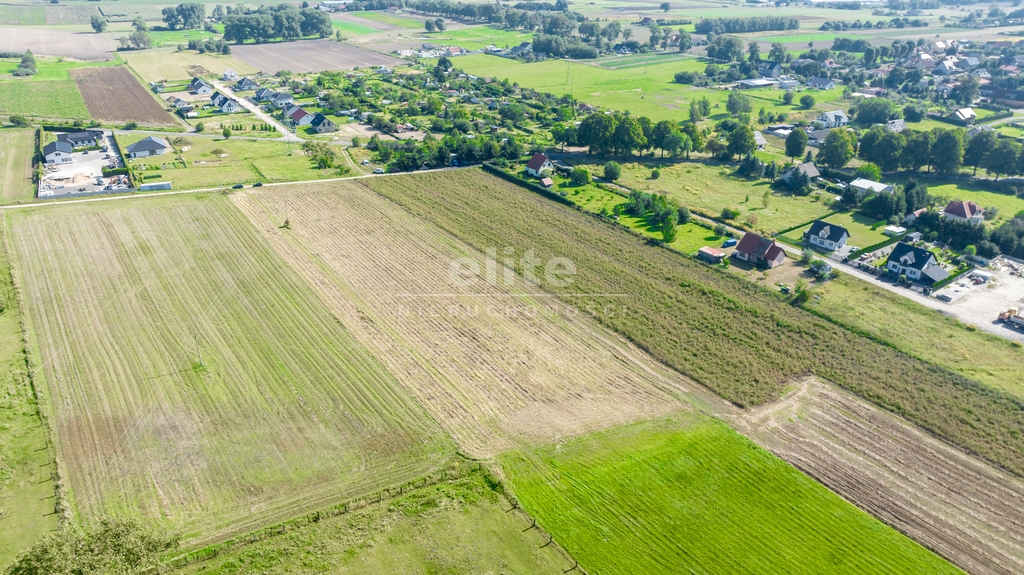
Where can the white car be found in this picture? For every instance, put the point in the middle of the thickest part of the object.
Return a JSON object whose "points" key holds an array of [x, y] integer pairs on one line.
{"points": [[378, 170], [366, 162]]}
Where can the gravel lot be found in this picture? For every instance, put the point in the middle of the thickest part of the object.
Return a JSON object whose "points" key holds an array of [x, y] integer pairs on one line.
{"points": [[980, 304]]}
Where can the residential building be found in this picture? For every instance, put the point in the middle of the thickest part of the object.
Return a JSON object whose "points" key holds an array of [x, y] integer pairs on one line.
{"points": [[817, 137], [217, 99], [79, 139], [820, 83], [826, 236], [229, 75], [759, 140], [281, 99], [895, 126], [264, 95], [58, 152], [757, 250], [807, 168], [943, 68], [910, 218], [770, 69], [229, 106], [834, 119], [862, 187], [539, 166], [965, 115], [246, 84], [964, 212], [199, 87], [322, 125], [915, 263], [148, 146], [299, 116], [977, 129]]}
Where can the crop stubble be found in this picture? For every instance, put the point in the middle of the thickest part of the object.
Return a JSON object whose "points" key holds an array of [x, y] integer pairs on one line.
{"points": [[113, 94], [492, 377], [16, 149], [192, 375]]}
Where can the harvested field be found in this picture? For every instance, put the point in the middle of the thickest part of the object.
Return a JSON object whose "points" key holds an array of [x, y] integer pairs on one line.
{"points": [[114, 95], [309, 56], [17, 147], [78, 45], [194, 378], [735, 337], [69, 14], [154, 65], [491, 373], [959, 507]]}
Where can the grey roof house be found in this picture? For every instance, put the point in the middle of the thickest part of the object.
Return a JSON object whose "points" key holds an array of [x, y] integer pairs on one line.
{"points": [[58, 152], [148, 146]]}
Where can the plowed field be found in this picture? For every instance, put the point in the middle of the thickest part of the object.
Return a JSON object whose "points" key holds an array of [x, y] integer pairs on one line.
{"points": [[114, 95]]}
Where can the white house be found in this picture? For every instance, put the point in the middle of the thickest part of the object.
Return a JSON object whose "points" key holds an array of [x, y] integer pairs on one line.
{"points": [[58, 152], [826, 236], [862, 186], [821, 83], [322, 124], [964, 212], [148, 146], [759, 140], [229, 75], [770, 69], [229, 106], [966, 115], [834, 119], [299, 116], [539, 165], [917, 264]]}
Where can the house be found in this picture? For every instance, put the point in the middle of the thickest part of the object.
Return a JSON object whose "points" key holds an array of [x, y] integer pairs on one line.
{"points": [[265, 95], [229, 75], [229, 106], [299, 116], [834, 119], [759, 140], [246, 84], [217, 99], [826, 236], [770, 69], [895, 126], [862, 187], [975, 130], [58, 152], [807, 168], [981, 74], [539, 165], [820, 83], [965, 115], [964, 212], [547, 182], [281, 99], [646, 21], [1010, 70], [970, 62], [199, 87], [914, 262], [78, 139], [453, 51], [180, 103], [322, 125], [148, 146], [910, 218], [944, 67], [710, 255], [817, 137], [759, 251]]}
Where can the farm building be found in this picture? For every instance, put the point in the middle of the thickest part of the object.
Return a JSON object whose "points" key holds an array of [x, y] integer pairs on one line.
{"points": [[916, 263], [758, 250], [322, 124], [539, 165], [148, 146], [756, 83], [58, 152], [965, 115], [964, 212], [826, 236], [710, 255]]}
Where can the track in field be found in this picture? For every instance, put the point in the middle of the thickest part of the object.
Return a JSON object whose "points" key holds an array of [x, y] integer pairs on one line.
{"points": [[489, 372], [114, 95], [192, 376]]}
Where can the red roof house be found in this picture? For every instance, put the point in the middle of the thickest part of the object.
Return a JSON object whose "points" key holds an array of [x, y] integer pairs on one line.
{"points": [[964, 212], [756, 249], [538, 164]]}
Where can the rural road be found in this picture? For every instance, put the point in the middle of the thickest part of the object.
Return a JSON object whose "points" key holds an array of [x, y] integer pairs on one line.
{"points": [[288, 135]]}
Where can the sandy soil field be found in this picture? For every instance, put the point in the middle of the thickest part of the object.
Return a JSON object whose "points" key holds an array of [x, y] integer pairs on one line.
{"points": [[308, 56], [78, 45]]}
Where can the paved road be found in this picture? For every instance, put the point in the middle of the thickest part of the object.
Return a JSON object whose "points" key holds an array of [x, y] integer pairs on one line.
{"points": [[288, 136]]}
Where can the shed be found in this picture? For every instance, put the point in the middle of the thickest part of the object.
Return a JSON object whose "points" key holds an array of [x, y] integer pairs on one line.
{"points": [[710, 255]]}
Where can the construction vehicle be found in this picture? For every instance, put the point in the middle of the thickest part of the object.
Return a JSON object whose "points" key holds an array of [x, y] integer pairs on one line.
{"points": [[1012, 316]]}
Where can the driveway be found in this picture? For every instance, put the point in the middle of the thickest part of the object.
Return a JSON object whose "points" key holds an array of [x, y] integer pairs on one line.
{"points": [[287, 134]]}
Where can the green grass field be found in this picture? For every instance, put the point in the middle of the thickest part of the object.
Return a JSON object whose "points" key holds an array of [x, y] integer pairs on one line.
{"points": [[214, 161], [648, 91], [1008, 205], [859, 226], [352, 28], [459, 526], [387, 18], [478, 37], [991, 360], [17, 146], [26, 495], [49, 94], [690, 495], [175, 37], [164, 64], [193, 378], [12, 15]]}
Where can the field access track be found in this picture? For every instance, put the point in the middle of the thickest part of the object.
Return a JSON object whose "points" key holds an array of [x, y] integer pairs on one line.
{"points": [[192, 376], [492, 363], [113, 94]]}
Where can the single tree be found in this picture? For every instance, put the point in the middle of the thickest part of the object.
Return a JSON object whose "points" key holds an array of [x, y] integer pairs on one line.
{"points": [[837, 149], [440, 25], [807, 101], [787, 98], [778, 53], [665, 6], [99, 23], [741, 141], [612, 171], [948, 151], [978, 148], [226, 132], [685, 42], [796, 143], [753, 52], [580, 176], [1002, 159], [429, 25]]}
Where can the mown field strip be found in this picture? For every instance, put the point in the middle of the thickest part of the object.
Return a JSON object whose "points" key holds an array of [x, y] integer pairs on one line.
{"points": [[193, 377], [16, 149], [493, 374], [690, 495]]}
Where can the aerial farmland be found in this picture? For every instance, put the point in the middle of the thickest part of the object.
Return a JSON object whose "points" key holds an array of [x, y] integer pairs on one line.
{"points": [[465, 287]]}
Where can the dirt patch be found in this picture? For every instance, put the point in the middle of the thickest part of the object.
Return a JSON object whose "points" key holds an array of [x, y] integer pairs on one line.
{"points": [[113, 94], [78, 45], [953, 504], [309, 56]]}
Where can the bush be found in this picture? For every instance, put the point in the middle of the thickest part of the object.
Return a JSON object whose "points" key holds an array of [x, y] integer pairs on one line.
{"points": [[787, 98], [612, 171], [131, 125], [730, 213], [720, 230], [19, 121], [580, 176], [807, 101], [200, 127], [655, 174]]}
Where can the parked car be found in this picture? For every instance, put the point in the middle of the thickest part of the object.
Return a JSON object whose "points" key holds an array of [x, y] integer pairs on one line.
{"points": [[378, 170], [258, 185], [237, 186], [729, 243]]}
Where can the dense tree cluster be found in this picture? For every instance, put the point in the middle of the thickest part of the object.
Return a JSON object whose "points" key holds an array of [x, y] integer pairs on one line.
{"points": [[744, 25], [563, 45], [284, 21], [113, 546], [184, 16], [941, 150], [27, 66], [621, 135]]}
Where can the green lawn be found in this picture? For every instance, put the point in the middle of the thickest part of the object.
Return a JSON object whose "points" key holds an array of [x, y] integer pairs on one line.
{"points": [[690, 495], [1008, 205], [646, 91], [988, 359], [393, 19], [351, 28], [246, 161], [175, 37], [859, 226], [50, 68], [453, 527], [51, 93], [478, 37], [11, 15]]}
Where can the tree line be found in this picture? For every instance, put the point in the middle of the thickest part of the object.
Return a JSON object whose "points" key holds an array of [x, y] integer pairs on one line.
{"points": [[741, 25], [268, 23]]}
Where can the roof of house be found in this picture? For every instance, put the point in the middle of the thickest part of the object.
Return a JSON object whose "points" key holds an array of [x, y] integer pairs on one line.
{"points": [[965, 210], [537, 161], [935, 273], [265, 92], [818, 135], [58, 146], [759, 139], [228, 102], [869, 185], [319, 119], [807, 168], [246, 82], [298, 114], [832, 232], [910, 256], [758, 247], [896, 125], [148, 144], [966, 114], [836, 115], [817, 80]]}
